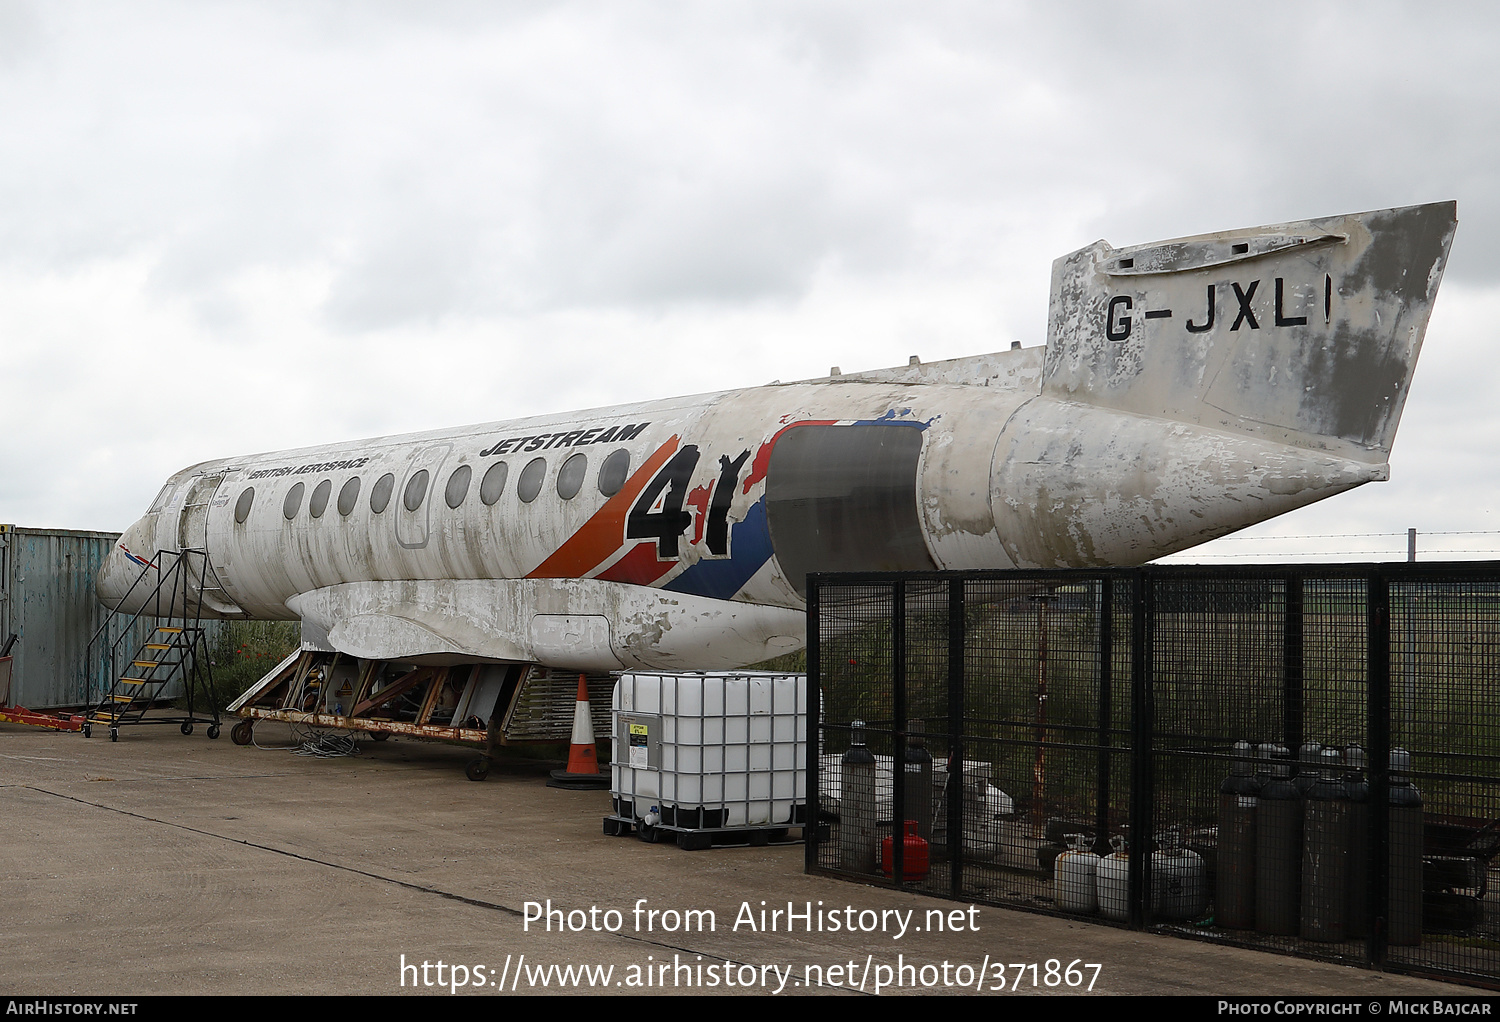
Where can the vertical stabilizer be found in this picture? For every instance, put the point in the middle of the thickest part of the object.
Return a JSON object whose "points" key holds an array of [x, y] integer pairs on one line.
{"points": [[1305, 333], [1194, 387]]}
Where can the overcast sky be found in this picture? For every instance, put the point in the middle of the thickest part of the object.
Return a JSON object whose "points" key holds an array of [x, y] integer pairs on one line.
{"points": [[229, 228]]}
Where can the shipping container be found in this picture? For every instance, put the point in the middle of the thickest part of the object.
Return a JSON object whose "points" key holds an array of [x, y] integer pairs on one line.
{"points": [[47, 599]]}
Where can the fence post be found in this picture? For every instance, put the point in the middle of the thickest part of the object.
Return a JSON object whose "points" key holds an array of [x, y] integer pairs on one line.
{"points": [[898, 733], [955, 736], [1378, 717], [1103, 764], [1142, 768], [1292, 670], [811, 832]]}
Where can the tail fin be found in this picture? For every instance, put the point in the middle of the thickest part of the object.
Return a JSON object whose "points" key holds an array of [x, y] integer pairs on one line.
{"points": [[1304, 333], [1194, 387]]}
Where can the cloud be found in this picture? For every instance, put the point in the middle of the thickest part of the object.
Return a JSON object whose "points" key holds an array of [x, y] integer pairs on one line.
{"points": [[315, 221]]}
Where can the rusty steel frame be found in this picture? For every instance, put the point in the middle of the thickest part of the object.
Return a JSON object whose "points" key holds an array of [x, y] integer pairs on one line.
{"points": [[427, 682], [472, 735]]}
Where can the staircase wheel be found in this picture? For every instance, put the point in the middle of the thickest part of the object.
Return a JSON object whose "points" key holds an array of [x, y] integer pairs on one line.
{"points": [[242, 733], [213, 731], [88, 730], [187, 727], [114, 734]]}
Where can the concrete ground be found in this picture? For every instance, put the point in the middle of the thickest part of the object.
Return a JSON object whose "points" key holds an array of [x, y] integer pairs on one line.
{"points": [[165, 864]]}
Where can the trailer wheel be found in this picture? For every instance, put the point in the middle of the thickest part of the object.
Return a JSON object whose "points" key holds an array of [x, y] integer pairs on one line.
{"points": [[242, 733], [379, 736], [187, 727], [477, 769]]}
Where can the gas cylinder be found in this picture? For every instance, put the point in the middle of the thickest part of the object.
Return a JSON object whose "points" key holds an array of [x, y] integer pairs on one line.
{"points": [[917, 789], [1238, 796], [857, 836], [1404, 868], [1357, 788], [1309, 764], [1075, 877], [1325, 852], [1278, 849], [1263, 761], [1112, 881], [1178, 887], [913, 853]]}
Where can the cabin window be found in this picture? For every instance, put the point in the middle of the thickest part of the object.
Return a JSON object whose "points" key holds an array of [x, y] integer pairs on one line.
{"points": [[458, 486], [570, 476], [613, 472], [293, 501], [530, 483], [161, 499], [416, 489], [493, 483], [380, 493], [242, 506], [348, 495], [320, 495]]}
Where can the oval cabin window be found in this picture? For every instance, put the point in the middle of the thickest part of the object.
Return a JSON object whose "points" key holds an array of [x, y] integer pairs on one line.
{"points": [[293, 501], [530, 483], [320, 495], [380, 493], [348, 496], [458, 486], [416, 489], [613, 472], [570, 476], [493, 483]]}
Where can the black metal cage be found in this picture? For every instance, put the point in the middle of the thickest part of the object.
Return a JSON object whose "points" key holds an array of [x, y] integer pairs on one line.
{"points": [[1301, 758]]}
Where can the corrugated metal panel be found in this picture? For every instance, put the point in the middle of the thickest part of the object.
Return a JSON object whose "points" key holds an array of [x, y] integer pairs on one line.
{"points": [[47, 598]]}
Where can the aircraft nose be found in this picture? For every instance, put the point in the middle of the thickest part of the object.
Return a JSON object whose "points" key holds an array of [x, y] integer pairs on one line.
{"points": [[112, 582], [119, 572]]}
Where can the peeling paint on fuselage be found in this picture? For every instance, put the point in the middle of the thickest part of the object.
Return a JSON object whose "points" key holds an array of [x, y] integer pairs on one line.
{"points": [[1187, 389]]}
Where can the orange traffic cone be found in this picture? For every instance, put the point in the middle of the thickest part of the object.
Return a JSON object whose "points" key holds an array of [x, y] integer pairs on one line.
{"points": [[583, 765]]}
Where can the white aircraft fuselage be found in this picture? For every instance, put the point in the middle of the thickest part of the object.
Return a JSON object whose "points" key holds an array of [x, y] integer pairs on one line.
{"points": [[1187, 389]]}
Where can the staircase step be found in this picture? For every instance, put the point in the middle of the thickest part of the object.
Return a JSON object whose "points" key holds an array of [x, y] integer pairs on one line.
{"points": [[138, 681], [170, 630], [158, 645]]}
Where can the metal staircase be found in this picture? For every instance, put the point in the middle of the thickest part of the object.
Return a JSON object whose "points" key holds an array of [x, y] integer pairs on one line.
{"points": [[176, 649]]}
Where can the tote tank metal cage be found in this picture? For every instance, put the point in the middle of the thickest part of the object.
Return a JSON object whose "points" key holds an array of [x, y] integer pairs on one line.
{"points": [[1302, 758]]}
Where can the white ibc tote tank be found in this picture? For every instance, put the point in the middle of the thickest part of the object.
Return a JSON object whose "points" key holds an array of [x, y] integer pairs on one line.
{"points": [[732, 744]]}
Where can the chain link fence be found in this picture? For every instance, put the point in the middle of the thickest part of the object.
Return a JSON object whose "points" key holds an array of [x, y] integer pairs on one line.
{"points": [[1304, 759]]}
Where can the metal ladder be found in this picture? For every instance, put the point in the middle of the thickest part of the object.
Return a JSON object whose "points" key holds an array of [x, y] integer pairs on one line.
{"points": [[177, 648]]}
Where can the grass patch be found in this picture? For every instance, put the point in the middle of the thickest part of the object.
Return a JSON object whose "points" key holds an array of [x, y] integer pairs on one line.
{"points": [[246, 650]]}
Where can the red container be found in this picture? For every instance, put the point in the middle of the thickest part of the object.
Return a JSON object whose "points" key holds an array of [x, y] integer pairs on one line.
{"points": [[913, 853]]}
